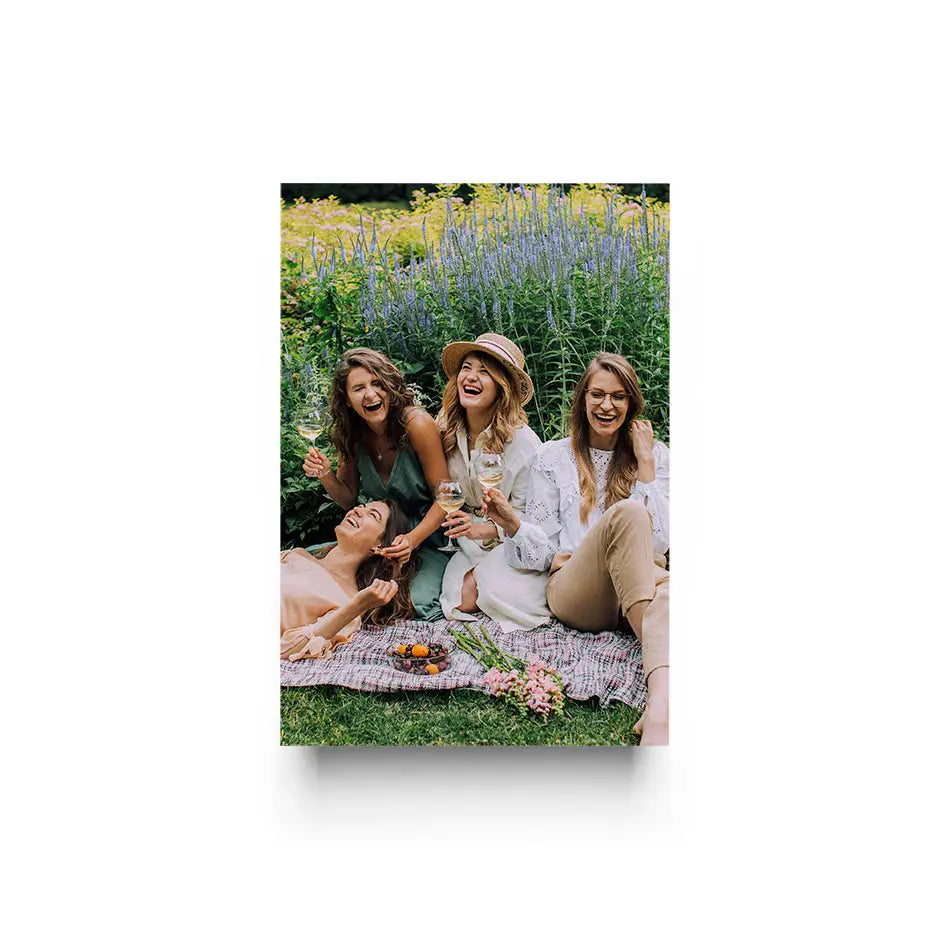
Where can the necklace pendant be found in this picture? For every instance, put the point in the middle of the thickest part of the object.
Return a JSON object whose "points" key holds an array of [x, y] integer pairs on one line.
{"points": [[379, 456]]}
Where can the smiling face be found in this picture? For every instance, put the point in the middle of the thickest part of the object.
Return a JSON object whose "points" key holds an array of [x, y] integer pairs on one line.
{"points": [[477, 388], [607, 405], [363, 527], [367, 396]]}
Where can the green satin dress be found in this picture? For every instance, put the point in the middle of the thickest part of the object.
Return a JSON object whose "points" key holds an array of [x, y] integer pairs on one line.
{"points": [[408, 487]]}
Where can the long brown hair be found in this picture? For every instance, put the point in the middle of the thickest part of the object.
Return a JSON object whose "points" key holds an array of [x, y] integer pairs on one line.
{"points": [[624, 466], [507, 412], [376, 567], [348, 426]]}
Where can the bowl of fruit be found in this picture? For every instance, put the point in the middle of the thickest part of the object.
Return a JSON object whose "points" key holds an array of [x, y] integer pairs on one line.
{"points": [[420, 657]]}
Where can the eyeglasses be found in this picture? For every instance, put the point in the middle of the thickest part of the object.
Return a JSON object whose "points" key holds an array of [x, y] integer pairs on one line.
{"points": [[619, 399]]}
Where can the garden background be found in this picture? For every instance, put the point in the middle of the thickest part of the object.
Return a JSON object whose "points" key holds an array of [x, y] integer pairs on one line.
{"points": [[563, 270]]}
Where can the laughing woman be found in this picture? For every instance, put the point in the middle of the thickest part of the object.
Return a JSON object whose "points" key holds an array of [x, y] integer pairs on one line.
{"points": [[323, 599], [388, 448], [483, 411], [597, 519]]}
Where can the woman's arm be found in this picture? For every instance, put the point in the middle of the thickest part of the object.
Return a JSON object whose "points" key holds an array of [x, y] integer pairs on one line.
{"points": [[308, 641], [341, 487], [424, 437], [655, 496], [531, 542]]}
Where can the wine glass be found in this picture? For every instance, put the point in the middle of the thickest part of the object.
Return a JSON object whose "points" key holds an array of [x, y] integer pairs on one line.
{"points": [[490, 469], [449, 496], [310, 420]]}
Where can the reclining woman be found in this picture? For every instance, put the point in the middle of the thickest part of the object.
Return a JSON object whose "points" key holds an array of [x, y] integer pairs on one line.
{"points": [[483, 412], [323, 598], [597, 519], [388, 448]]}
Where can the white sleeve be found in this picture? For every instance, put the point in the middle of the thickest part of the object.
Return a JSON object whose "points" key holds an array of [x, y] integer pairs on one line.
{"points": [[518, 496], [538, 538], [655, 496]]}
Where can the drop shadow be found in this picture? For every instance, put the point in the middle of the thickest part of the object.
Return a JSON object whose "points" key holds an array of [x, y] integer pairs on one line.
{"points": [[474, 786]]}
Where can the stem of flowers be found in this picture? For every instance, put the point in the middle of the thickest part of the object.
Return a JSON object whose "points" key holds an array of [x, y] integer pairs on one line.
{"points": [[508, 659], [484, 649]]}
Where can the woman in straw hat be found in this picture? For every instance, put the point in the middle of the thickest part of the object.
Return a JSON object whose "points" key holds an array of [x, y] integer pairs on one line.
{"points": [[483, 412], [597, 520], [388, 448]]}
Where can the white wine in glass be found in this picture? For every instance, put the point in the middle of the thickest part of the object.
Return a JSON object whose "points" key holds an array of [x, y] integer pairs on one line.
{"points": [[490, 469], [310, 422], [450, 497]]}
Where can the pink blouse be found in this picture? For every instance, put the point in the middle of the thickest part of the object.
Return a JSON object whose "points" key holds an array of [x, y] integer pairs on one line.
{"points": [[308, 594]]}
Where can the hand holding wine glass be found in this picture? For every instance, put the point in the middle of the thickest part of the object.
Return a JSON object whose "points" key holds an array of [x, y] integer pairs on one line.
{"points": [[450, 497], [316, 465], [498, 509]]}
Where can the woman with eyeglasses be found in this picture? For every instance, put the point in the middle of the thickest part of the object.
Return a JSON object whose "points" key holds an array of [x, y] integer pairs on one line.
{"points": [[597, 520]]}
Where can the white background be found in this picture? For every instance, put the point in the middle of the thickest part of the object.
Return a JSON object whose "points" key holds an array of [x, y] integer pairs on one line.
{"points": [[146, 791]]}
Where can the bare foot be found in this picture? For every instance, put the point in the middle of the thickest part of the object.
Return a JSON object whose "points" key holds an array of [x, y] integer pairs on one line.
{"points": [[654, 731], [653, 728], [653, 724]]}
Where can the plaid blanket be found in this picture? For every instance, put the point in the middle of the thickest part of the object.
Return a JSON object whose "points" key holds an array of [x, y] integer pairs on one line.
{"points": [[607, 665]]}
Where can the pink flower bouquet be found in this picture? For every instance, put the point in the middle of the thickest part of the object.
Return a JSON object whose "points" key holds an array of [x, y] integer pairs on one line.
{"points": [[528, 686]]}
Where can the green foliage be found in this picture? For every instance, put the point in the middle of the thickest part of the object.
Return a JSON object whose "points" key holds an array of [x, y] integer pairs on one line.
{"points": [[562, 274], [307, 514]]}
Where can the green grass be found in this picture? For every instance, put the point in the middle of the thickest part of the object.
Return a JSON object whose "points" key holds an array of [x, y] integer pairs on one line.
{"points": [[336, 716]]}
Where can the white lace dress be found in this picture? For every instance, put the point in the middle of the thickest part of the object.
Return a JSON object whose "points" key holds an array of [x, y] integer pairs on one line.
{"points": [[515, 598], [551, 521]]}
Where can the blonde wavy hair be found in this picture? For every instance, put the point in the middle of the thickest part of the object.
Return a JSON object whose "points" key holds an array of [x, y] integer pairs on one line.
{"points": [[507, 412], [623, 468]]}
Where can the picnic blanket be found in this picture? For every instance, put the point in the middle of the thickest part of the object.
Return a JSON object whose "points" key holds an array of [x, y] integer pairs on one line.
{"points": [[607, 665]]}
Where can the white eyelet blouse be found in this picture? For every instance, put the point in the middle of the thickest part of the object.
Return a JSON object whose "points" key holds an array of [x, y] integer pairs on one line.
{"points": [[551, 521]]}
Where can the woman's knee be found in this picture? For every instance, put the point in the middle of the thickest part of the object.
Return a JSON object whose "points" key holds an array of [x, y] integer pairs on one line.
{"points": [[627, 514], [470, 593]]}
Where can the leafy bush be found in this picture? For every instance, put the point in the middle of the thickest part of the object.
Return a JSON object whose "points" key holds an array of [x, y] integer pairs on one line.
{"points": [[563, 275]]}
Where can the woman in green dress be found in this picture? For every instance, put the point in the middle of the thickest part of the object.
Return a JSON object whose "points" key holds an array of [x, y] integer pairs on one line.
{"points": [[388, 448]]}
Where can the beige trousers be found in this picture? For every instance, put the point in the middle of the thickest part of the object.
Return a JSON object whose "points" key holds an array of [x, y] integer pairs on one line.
{"points": [[613, 568]]}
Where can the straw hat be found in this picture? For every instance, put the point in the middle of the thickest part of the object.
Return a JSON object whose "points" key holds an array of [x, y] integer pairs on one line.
{"points": [[503, 350]]}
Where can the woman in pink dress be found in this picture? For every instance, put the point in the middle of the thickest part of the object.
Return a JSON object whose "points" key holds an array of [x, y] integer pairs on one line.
{"points": [[324, 598]]}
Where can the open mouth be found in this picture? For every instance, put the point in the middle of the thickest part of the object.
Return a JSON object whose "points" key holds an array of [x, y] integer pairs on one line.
{"points": [[373, 408], [471, 391], [605, 421], [351, 520]]}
